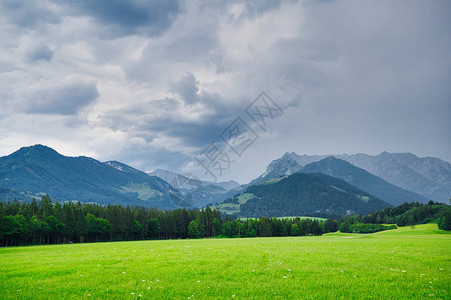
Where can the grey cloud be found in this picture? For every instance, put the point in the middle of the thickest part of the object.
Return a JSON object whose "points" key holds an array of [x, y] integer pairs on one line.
{"points": [[29, 13], [64, 99], [216, 113], [148, 158], [123, 17], [255, 8], [130, 16], [186, 87], [41, 53], [370, 77], [141, 120]]}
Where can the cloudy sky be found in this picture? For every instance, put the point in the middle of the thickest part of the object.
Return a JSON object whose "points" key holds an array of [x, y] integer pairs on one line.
{"points": [[154, 83]]}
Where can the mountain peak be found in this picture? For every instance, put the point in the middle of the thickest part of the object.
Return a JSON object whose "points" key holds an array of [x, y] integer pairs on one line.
{"points": [[37, 151], [291, 155], [331, 158]]}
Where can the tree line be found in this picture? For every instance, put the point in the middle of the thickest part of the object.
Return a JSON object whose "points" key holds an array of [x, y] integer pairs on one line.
{"points": [[47, 222], [406, 214]]}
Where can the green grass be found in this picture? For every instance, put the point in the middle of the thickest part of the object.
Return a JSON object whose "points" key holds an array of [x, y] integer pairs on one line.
{"points": [[394, 264], [243, 198], [234, 208]]}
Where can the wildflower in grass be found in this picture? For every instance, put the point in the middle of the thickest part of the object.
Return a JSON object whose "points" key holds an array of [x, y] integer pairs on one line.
{"points": [[82, 275], [89, 295], [403, 271], [132, 293], [285, 277], [233, 296], [289, 270], [148, 287], [140, 295], [123, 272], [143, 280], [198, 281], [441, 269]]}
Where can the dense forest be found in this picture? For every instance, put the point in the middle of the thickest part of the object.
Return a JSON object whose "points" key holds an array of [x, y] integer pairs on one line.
{"points": [[45, 222]]}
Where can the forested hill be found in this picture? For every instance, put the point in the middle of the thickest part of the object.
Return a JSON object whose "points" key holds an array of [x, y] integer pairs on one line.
{"points": [[302, 194], [37, 170]]}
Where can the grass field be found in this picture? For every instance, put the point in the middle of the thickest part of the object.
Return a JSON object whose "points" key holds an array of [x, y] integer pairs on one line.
{"points": [[399, 264]]}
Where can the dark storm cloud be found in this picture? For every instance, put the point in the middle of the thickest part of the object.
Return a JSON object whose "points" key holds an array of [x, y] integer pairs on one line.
{"points": [[63, 99], [124, 17], [198, 134], [130, 16], [168, 117]]}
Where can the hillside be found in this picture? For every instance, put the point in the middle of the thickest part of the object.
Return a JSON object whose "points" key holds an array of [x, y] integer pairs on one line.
{"points": [[302, 194], [37, 170], [363, 180]]}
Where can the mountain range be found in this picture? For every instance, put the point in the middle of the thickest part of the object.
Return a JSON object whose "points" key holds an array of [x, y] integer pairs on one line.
{"points": [[291, 185], [364, 180], [427, 176], [38, 170]]}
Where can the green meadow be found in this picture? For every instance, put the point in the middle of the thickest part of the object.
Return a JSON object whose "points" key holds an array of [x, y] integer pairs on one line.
{"points": [[407, 263]]}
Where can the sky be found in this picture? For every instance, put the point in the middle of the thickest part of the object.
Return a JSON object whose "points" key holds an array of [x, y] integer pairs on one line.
{"points": [[178, 84]]}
